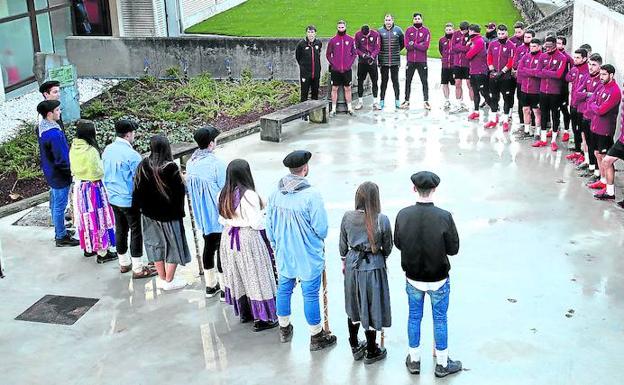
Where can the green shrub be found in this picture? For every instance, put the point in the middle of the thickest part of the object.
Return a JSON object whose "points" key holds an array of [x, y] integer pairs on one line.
{"points": [[20, 153]]}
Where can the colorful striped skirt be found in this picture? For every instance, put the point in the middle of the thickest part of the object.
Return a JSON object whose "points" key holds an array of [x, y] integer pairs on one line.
{"points": [[93, 216]]}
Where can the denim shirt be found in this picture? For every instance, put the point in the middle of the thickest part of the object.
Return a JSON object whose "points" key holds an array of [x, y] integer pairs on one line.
{"points": [[120, 164], [296, 226], [205, 177]]}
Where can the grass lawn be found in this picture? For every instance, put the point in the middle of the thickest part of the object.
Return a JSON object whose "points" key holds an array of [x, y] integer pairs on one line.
{"points": [[288, 18]]}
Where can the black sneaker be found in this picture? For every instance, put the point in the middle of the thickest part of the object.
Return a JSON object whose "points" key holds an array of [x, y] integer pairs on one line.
{"points": [[359, 351], [222, 296], [264, 325], [620, 204], [582, 166], [212, 291], [604, 197], [67, 241], [377, 355], [110, 256], [286, 333], [585, 173], [593, 178], [451, 367], [322, 340], [89, 255], [412, 366]]}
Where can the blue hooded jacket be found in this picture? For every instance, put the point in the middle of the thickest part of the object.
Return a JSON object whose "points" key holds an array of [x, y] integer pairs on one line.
{"points": [[296, 225], [54, 154]]}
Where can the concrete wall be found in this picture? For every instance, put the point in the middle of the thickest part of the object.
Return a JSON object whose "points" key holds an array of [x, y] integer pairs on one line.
{"points": [[601, 28], [108, 57], [195, 11]]}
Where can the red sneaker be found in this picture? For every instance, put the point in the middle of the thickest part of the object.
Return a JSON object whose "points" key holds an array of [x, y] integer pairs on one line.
{"points": [[565, 137], [473, 116], [490, 124], [601, 192], [579, 161], [539, 143], [573, 156], [505, 126], [553, 146], [549, 134], [597, 185]]}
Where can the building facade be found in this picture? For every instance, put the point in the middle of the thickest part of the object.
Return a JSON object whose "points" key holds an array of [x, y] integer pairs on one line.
{"points": [[31, 26]]}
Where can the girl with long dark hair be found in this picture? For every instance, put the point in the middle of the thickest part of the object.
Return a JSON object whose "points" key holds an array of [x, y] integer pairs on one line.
{"points": [[365, 243], [93, 214], [159, 194], [246, 257]]}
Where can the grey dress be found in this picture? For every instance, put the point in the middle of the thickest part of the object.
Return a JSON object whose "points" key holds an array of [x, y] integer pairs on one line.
{"points": [[367, 295]]}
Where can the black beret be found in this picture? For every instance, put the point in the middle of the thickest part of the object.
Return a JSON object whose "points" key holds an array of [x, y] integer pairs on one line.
{"points": [[45, 86], [47, 106], [297, 158], [425, 180], [205, 135], [124, 126]]}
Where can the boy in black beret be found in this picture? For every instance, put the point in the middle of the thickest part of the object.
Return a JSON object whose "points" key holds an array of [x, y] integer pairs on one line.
{"points": [[426, 236]]}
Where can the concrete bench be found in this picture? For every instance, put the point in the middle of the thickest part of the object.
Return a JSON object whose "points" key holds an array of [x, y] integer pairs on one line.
{"points": [[271, 124]]}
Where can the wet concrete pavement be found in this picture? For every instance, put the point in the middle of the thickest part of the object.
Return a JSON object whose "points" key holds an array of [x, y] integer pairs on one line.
{"points": [[537, 287]]}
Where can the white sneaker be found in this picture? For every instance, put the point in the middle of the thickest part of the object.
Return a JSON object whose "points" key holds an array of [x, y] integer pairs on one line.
{"points": [[427, 106], [333, 113], [447, 105], [175, 284], [358, 105], [376, 106]]}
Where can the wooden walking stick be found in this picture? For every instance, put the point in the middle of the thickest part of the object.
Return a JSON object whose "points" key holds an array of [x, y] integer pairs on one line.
{"points": [[194, 229], [325, 304]]}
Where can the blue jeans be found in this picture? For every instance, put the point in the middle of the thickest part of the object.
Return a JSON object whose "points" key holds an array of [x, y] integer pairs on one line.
{"points": [[439, 307], [310, 290], [58, 204]]}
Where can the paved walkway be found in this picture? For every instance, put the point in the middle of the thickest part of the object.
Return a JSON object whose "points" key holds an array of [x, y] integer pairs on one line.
{"points": [[537, 288]]}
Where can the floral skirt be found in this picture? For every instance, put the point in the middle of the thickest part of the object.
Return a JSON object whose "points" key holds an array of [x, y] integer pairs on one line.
{"points": [[93, 216], [248, 273]]}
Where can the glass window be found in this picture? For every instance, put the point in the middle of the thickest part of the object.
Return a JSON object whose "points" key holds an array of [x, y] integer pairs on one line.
{"points": [[16, 51], [12, 7], [45, 33], [61, 28], [40, 4], [57, 2]]}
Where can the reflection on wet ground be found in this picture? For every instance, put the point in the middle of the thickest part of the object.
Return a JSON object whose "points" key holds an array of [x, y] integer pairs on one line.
{"points": [[537, 292]]}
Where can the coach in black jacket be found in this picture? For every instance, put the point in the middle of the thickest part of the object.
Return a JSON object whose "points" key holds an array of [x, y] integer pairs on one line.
{"points": [[426, 236], [308, 55]]}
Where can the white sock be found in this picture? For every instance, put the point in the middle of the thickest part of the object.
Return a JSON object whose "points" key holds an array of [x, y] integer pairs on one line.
{"points": [[597, 172], [315, 329], [102, 253], [527, 129], [543, 135], [553, 139], [414, 354], [221, 281], [442, 357], [124, 260], [283, 321], [586, 156], [210, 278], [610, 189], [349, 106], [603, 180], [333, 107], [137, 263]]}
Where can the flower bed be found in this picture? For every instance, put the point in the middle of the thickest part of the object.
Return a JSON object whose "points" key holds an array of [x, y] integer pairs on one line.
{"points": [[174, 107]]}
